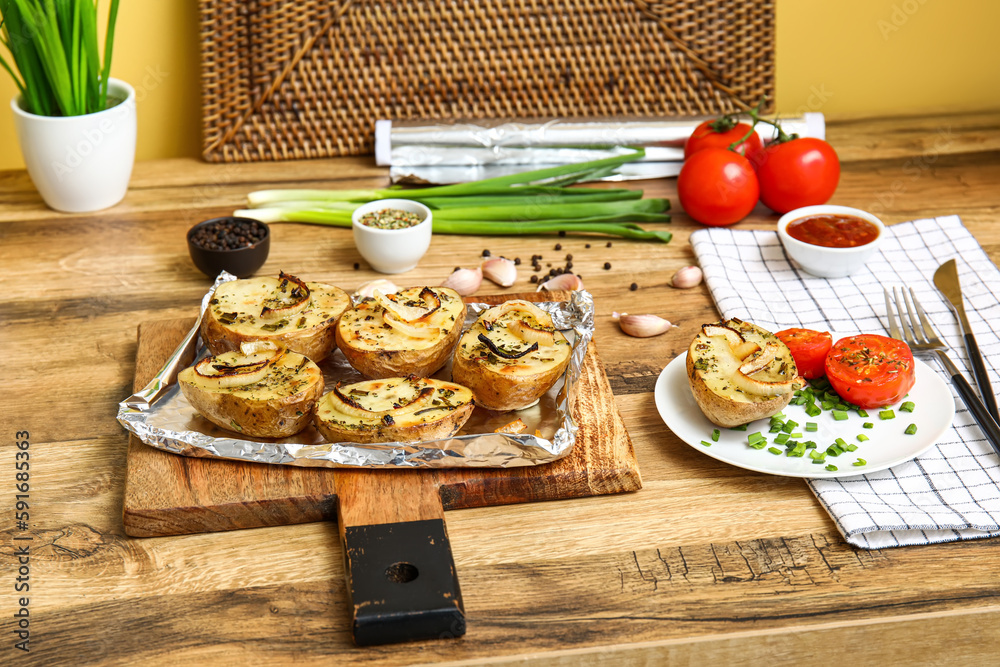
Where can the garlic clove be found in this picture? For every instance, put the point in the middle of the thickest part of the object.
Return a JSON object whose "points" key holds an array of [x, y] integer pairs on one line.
{"points": [[368, 288], [642, 326], [565, 281], [464, 281], [500, 270], [689, 276]]}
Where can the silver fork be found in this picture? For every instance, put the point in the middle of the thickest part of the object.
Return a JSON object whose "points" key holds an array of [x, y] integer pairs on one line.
{"points": [[917, 332]]}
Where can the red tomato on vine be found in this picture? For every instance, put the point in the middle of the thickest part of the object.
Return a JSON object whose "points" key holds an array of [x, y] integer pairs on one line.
{"points": [[717, 187], [796, 173], [723, 133]]}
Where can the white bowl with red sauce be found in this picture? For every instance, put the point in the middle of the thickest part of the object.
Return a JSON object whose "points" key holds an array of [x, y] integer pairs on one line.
{"points": [[830, 241]]}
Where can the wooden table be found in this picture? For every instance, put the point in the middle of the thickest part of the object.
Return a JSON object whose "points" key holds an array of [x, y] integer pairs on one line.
{"points": [[707, 563]]}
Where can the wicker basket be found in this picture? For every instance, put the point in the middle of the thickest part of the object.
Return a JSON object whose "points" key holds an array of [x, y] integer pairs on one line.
{"points": [[289, 79]]}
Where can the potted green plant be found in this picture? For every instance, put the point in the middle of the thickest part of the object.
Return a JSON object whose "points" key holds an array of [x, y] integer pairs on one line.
{"points": [[76, 125]]}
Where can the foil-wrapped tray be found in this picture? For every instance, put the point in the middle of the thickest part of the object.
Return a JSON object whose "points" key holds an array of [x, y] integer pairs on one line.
{"points": [[160, 416]]}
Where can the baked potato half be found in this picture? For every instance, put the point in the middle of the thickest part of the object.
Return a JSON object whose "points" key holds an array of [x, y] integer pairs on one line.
{"points": [[410, 332], [285, 310], [409, 409], [264, 390], [740, 373], [510, 356]]}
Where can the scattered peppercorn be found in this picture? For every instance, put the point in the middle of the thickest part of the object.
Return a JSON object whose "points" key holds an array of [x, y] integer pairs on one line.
{"points": [[608, 245], [607, 266], [569, 265], [569, 258], [558, 246], [456, 269], [486, 253], [517, 261], [562, 233], [356, 266], [633, 287], [228, 234], [534, 278], [587, 246]]}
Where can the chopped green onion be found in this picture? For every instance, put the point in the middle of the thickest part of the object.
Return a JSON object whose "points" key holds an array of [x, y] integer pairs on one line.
{"points": [[860, 462], [811, 426], [886, 414], [797, 451], [827, 405], [817, 456], [851, 447], [796, 435], [862, 437], [834, 450], [868, 425], [862, 413], [832, 468], [715, 435], [741, 427], [706, 443], [774, 450], [812, 410], [839, 415], [911, 429], [907, 406], [781, 439]]}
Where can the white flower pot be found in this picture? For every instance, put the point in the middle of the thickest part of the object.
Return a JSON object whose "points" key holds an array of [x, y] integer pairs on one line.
{"points": [[80, 163]]}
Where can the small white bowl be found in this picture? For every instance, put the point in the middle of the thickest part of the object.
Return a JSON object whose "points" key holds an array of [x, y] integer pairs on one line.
{"points": [[828, 262], [393, 250]]}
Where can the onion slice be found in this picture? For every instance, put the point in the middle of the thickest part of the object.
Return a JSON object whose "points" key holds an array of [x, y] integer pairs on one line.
{"points": [[284, 302], [407, 312], [530, 334], [252, 365], [408, 329], [349, 406], [495, 313]]}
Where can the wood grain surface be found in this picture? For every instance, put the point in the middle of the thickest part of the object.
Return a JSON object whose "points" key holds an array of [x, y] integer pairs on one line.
{"points": [[707, 563]]}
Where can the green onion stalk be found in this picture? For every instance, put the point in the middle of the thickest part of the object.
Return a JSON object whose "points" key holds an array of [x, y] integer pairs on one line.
{"points": [[54, 58], [533, 202]]}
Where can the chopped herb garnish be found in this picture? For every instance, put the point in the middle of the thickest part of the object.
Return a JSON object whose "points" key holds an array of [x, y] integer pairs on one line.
{"points": [[911, 429], [907, 406], [715, 435], [832, 468], [886, 414]]}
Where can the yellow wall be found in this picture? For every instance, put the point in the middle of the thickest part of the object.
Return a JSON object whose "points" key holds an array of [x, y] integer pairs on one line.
{"points": [[840, 57]]}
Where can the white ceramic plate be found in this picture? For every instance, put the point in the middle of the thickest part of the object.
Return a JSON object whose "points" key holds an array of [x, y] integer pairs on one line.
{"points": [[887, 444]]}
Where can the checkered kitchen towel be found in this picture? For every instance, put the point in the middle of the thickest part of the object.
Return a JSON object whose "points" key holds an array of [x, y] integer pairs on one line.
{"points": [[952, 491]]}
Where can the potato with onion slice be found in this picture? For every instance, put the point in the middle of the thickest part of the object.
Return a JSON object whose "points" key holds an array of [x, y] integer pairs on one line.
{"points": [[286, 310], [264, 390], [409, 409], [740, 373], [409, 332], [510, 356]]}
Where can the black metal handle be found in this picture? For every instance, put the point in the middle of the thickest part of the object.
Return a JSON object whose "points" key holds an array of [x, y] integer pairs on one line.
{"points": [[982, 377], [402, 582], [986, 422]]}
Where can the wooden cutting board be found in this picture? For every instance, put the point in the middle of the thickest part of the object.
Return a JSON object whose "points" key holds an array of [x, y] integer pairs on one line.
{"points": [[400, 570]]}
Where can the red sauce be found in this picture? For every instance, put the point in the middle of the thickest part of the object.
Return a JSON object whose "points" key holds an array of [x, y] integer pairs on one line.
{"points": [[833, 231]]}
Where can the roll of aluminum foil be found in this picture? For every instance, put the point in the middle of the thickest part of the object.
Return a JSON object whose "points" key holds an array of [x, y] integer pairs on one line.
{"points": [[438, 152], [160, 416]]}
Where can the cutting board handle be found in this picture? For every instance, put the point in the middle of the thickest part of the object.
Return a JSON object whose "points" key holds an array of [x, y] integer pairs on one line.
{"points": [[400, 571]]}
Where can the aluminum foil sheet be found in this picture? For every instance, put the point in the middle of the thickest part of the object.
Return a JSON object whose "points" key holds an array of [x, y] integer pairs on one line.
{"points": [[161, 417]]}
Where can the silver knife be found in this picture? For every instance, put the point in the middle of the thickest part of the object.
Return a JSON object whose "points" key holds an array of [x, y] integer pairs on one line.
{"points": [[946, 280]]}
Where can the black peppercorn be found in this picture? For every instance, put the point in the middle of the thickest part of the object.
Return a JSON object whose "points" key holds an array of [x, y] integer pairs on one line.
{"points": [[356, 266], [558, 246], [608, 245], [517, 261], [587, 246], [534, 279], [486, 253], [633, 287], [569, 258], [607, 266]]}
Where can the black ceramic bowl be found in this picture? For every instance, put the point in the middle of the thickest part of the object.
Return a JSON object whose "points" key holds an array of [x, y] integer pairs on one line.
{"points": [[215, 246]]}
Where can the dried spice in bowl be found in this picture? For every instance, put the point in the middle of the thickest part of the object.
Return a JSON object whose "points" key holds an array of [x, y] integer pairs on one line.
{"points": [[390, 218]]}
